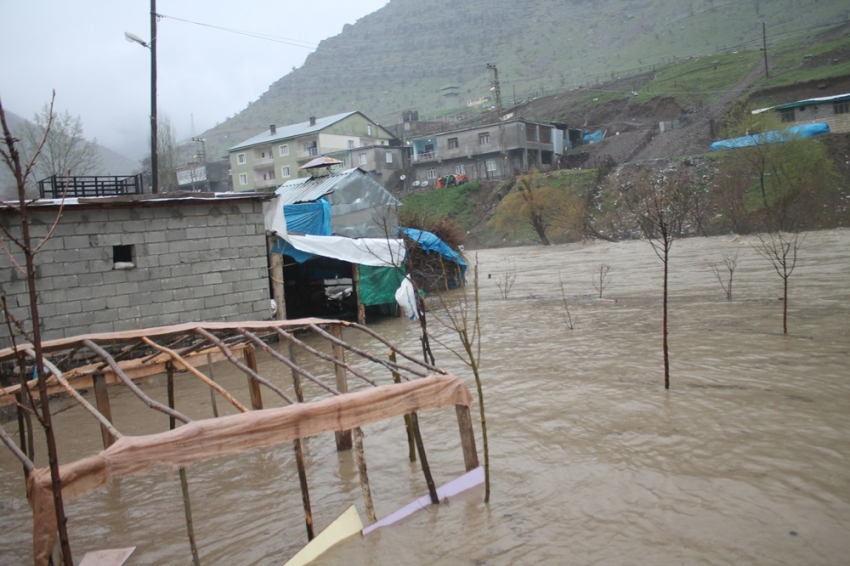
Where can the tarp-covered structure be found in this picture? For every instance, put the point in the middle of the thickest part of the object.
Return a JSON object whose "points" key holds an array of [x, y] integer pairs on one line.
{"points": [[448, 267], [326, 225], [775, 136]]}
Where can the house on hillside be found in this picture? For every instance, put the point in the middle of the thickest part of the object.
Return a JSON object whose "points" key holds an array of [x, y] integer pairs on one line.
{"points": [[831, 110], [274, 157], [133, 261], [209, 177], [477, 151]]}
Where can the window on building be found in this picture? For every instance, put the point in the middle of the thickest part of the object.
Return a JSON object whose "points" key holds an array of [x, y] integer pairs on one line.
{"points": [[460, 169], [240, 159], [452, 143], [350, 144], [484, 137], [284, 171], [389, 157], [841, 107], [344, 161], [432, 173], [123, 257], [284, 150], [491, 165], [243, 179], [787, 115], [368, 129], [362, 159], [311, 148]]}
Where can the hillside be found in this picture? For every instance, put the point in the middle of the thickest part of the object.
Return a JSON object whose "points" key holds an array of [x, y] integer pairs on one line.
{"points": [[399, 56]]}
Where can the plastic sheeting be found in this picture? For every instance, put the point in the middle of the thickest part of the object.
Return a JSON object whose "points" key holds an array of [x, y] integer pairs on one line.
{"points": [[379, 252], [378, 284], [405, 296], [595, 137], [432, 243], [309, 218], [776, 136]]}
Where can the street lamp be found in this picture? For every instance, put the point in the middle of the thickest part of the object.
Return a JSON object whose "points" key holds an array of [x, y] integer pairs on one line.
{"points": [[152, 46]]}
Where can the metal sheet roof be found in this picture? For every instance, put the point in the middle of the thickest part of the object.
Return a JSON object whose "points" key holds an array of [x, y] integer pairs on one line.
{"points": [[310, 189], [293, 130], [807, 102]]}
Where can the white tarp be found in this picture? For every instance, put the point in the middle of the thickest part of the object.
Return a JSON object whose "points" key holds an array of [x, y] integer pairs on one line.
{"points": [[379, 252], [273, 217]]}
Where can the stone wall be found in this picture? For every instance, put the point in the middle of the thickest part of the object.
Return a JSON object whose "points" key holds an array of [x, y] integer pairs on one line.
{"points": [[192, 260]]}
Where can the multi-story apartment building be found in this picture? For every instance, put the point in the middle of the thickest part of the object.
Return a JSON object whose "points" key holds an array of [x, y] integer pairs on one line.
{"points": [[270, 159], [491, 151]]}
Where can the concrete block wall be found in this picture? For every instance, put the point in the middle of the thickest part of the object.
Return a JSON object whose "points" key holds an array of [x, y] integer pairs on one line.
{"points": [[193, 260]]}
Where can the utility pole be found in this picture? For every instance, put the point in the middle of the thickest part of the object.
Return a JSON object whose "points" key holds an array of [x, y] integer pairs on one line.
{"points": [[154, 164], [764, 46], [498, 93], [203, 156]]}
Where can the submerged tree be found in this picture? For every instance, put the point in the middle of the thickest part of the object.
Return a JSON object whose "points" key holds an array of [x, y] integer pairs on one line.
{"points": [[780, 249], [23, 243], [730, 261], [660, 205]]}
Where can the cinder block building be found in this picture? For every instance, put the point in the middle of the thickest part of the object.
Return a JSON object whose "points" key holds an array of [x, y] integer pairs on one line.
{"points": [[831, 110], [135, 261]]}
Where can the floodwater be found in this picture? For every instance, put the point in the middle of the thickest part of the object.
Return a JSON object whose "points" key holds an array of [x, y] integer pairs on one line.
{"points": [[743, 461]]}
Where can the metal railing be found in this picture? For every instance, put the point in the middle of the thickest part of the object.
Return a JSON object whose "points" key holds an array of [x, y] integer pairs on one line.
{"points": [[90, 186]]}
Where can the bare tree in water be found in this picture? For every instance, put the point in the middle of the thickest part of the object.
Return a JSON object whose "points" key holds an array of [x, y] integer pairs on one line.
{"points": [[780, 249], [10, 240], [731, 262], [660, 205]]}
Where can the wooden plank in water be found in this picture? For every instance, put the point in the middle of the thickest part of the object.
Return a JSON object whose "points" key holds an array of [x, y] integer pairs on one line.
{"points": [[109, 557], [344, 526]]}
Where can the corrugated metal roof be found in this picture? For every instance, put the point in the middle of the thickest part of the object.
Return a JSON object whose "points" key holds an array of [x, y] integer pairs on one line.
{"points": [[310, 189], [807, 102], [292, 131]]}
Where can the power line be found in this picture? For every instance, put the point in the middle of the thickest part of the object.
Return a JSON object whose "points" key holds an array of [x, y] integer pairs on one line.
{"points": [[294, 42]]}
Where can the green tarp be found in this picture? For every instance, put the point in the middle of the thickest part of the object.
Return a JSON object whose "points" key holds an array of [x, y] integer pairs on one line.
{"points": [[378, 284]]}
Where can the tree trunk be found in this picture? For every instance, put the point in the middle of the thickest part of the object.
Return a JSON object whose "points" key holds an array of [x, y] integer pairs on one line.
{"points": [[664, 323], [785, 304]]}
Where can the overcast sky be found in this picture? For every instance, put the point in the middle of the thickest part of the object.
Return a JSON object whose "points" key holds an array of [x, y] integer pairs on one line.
{"points": [[78, 49]]}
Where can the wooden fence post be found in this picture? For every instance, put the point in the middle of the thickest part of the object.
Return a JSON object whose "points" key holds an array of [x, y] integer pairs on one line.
{"points": [[467, 437], [101, 396], [343, 437], [299, 453], [250, 355]]}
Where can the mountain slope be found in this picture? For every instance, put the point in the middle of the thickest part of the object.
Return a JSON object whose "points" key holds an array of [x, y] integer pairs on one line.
{"points": [[399, 56]]}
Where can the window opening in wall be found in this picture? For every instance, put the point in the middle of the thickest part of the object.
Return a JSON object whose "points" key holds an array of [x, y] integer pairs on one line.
{"points": [[311, 148], [284, 171], [122, 257], [484, 137], [841, 107], [362, 158], [460, 169], [284, 150], [243, 178], [432, 173], [491, 165], [350, 144], [787, 115], [389, 157], [452, 143], [240, 159], [368, 129]]}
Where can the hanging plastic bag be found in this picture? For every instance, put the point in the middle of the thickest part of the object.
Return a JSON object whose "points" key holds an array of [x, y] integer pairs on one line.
{"points": [[405, 296]]}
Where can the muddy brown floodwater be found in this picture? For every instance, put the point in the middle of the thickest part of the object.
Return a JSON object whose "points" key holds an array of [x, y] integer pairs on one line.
{"points": [[743, 461]]}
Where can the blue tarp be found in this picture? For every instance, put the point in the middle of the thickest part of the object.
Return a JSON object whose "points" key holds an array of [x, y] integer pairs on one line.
{"points": [[776, 136], [431, 243], [595, 137], [313, 218]]}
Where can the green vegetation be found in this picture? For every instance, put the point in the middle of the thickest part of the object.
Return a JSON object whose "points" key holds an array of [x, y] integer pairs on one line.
{"points": [[699, 81], [805, 63], [453, 202]]}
